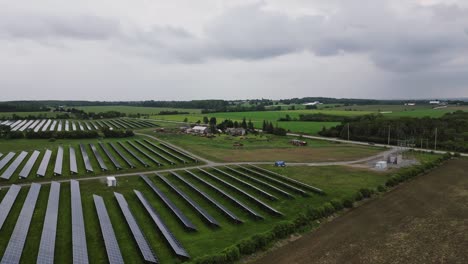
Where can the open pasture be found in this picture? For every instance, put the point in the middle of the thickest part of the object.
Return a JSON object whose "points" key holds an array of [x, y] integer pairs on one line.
{"points": [[133, 110]]}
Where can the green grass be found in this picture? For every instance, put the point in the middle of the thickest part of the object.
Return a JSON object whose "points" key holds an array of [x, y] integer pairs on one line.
{"points": [[134, 109], [9, 115], [338, 182]]}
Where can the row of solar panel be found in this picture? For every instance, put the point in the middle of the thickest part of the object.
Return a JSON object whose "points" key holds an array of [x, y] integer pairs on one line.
{"points": [[151, 150], [64, 125]]}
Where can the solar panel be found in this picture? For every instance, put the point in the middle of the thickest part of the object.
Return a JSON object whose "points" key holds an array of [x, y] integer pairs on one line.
{"points": [[8, 202], [24, 173], [33, 125], [248, 195], [6, 159], [25, 126], [81, 126], [44, 128], [138, 235], [38, 127], [227, 195], [170, 238], [14, 250], [73, 165], [178, 151], [210, 219], [107, 124], [247, 184], [59, 127], [95, 126], [116, 125], [87, 162], [18, 126], [15, 123], [44, 163], [101, 162], [88, 126], [175, 210], [110, 156], [52, 126], [122, 125], [112, 246], [165, 151], [144, 153], [133, 155], [121, 155], [67, 125], [14, 165], [155, 152], [49, 229], [58, 161], [73, 126], [312, 188], [79, 247], [209, 198]]}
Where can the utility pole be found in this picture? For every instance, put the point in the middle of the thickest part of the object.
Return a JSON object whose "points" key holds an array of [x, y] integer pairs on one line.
{"points": [[435, 140], [421, 143], [388, 142], [348, 131]]}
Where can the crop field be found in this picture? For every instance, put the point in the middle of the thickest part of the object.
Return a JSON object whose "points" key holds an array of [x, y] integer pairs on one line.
{"points": [[404, 110], [134, 109], [336, 182], [422, 221], [267, 148]]}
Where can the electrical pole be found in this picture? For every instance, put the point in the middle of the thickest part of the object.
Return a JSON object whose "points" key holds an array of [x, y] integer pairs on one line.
{"points": [[348, 131], [388, 142], [435, 140]]}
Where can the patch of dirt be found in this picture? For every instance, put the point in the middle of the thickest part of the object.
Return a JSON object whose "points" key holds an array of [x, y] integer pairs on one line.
{"points": [[422, 221]]}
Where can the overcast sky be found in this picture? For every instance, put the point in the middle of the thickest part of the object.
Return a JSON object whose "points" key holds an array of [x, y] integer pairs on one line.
{"points": [[187, 49]]}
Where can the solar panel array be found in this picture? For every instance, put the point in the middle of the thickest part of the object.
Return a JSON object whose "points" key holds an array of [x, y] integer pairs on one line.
{"points": [[101, 162], [165, 151], [7, 203], [80, 250], [192, 203], [285, 193], [14, 165], [73, 165], [6, 159], [209, 198], [58, 161], [14, 250], [110, 156], [24, 173], [44, 163], [112, 246], [133, 155], [170, 238], [49, 229], [138, 235], [228, 196], [177, 212], [144, 153], [87, 162], [178, 151], [129, 163], [156, 153], [248, 195]]}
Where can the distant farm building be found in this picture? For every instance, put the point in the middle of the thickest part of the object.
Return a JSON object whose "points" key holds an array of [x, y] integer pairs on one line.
{"points": [[297, 142], [199, 130], [434, 102], [235, 131], [381, 165], [410, 104], [312, 103]]}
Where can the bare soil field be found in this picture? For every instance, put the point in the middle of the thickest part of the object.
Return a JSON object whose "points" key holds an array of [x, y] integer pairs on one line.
{"points": [[422, 221]]}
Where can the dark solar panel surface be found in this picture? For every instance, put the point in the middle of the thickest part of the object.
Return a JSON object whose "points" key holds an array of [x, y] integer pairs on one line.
{"points": [[155, 152], [144, 153], [14, 250], [110, 156], [285, 185], [179, 152], [59, 161], [49, 229], [177, 212], [73, 165], [209, 198], [112, 246], [228, 196], [138, 235], [101, 162], [192, 203], [285, 193], [6, 159], [264, 193], [8, 202], [14, 165], [129, 163], [248, 195], [86, 160], [133, 154], [24, 173], [165, 151], [79, 247], [44, 163], [170, 238]]}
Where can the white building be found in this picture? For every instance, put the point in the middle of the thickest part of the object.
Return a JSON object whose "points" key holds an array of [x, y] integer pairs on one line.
{"points": [[111, 182], [312, 103], [434, 102], [381, 165], [200, 129]]}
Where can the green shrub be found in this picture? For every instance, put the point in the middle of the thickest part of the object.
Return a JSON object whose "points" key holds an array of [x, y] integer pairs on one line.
{"points": [[231, 254], [328, 209], [358, 197], [366, 193], [338, 205], [381, 188], [348, 203]]}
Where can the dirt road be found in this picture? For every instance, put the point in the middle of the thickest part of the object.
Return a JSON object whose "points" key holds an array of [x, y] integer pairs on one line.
{"points": [[422, 221]]}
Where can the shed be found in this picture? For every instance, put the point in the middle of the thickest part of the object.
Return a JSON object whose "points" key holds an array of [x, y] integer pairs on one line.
{"points": [[111, 182], [381, 165]]}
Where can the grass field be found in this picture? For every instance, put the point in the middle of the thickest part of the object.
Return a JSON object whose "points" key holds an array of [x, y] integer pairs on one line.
{"points": [[404, 110], [267, 148], [9, 115], [338, 182], [134, 109]]}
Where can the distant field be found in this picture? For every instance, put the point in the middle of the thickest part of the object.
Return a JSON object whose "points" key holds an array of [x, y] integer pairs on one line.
{"points": [[403, 110], [267, 148], [9, 115], [134, 109]]}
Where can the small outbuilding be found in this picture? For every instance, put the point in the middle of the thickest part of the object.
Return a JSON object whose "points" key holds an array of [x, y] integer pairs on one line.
{"points": [[381, 165], [200, 130], [111, 182]]}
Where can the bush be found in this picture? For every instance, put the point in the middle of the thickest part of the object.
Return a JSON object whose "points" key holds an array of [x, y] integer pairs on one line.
{"points": [[231, 254], [358, 197], [338, 205], [366, 193], [381, 188]]}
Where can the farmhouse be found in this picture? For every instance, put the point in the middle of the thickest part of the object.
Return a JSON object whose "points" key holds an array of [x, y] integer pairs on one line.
{"points": [[312, 103], [199, 130], [434, 102], [235, 131]]}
